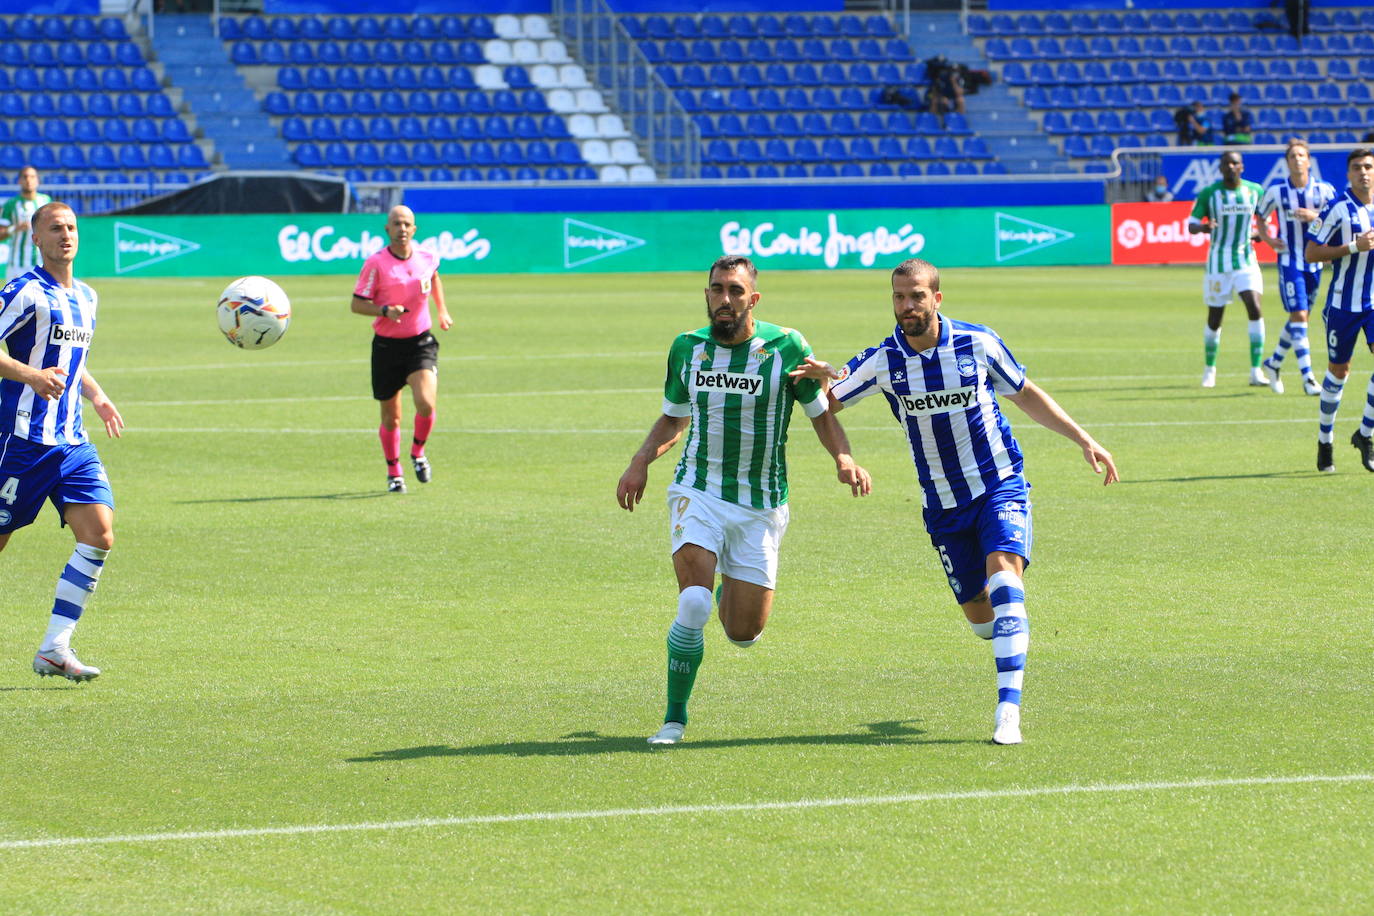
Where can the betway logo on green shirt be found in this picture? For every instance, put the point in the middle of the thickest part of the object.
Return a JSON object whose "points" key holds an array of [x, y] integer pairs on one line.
{"points": [[729, 382], [137, 247]]}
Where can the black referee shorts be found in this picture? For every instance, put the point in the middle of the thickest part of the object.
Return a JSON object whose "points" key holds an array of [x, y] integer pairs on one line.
{"points": [[394, 358]]}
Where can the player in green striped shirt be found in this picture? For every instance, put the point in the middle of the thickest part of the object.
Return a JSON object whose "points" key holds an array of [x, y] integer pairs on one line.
{"points": [[1225, 210], [730, 388], [15, 217]]}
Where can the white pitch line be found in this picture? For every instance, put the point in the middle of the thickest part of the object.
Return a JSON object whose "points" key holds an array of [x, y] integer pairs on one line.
{"points": [[609, 813], [574, 431]]}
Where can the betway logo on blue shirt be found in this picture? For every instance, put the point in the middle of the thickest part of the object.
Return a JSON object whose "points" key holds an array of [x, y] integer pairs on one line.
{"points": [[729, 382], [933, 402], [64, 336]]}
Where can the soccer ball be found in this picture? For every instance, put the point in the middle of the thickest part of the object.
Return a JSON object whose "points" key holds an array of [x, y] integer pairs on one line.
{"points": [[254, 313]]}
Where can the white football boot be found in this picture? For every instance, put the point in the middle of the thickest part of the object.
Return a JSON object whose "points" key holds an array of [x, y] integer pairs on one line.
{"points": [[1008, 724], [64, 663], [1209, 377], [1257, 379], [670, 733], [1271, 375]]}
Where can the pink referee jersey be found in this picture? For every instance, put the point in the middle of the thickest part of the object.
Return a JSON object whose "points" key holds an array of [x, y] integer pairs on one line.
{"points": [[389, 280]]}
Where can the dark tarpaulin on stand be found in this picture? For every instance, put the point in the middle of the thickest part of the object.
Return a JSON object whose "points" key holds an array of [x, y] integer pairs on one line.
{"points": [[251, 192]]}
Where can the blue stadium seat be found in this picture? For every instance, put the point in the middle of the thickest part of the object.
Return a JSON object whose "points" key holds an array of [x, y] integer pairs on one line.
{"points": [[160, 156], [1302, 94], [938, 167]]}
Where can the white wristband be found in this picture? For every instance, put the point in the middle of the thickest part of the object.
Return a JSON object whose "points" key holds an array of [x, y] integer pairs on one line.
{"points": [[1354, 246]]}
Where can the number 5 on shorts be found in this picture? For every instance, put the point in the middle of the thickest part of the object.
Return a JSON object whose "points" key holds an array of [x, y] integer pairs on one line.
{"points": [[945, 561], [10, 491]]}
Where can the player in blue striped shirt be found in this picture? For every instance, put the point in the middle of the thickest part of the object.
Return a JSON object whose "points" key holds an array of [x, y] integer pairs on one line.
{"points": [[47, 320], [1298, 200], [1344, 235], [942, 378]]}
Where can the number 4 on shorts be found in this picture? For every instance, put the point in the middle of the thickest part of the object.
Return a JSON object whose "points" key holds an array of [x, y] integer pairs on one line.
{"points": [[10, 491]]}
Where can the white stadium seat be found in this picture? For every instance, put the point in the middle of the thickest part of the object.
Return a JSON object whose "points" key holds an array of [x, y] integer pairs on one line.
{"points": [[642, 174], [614, 173], [590, 101], [562, 100], [625, 152], [553, 51], [508, 26], [525, 51], [545, 76], [596, 152], [488, 76], [571, 76], [537, 26], [497, 51], [610, 127], [582, 126]]}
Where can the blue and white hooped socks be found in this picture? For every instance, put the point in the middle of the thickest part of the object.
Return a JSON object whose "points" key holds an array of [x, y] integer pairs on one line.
{"points": [[1010, 633], [1367, 422], [1332, 388], [74, 588]]}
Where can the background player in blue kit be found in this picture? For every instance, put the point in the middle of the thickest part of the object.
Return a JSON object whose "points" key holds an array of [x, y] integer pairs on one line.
{"points": [[47, 320], [1344, 235], [942, 378], [1298, 200]]}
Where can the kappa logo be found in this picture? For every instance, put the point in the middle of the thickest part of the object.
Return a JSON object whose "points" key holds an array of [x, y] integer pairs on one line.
{"points": [[935, 402], [136, 247], [1015, 236], [967, 366], [730, 382], [584, 243]]}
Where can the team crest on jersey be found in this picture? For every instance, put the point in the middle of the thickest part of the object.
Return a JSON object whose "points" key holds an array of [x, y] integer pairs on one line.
{"points": [[966, 366]]}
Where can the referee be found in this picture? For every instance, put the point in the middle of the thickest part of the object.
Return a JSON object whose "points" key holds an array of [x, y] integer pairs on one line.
{"points": [[394, 290]]}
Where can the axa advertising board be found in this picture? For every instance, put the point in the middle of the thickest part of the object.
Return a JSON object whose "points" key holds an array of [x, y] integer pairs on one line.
{"points": [[600, 242], [1157, 233]]}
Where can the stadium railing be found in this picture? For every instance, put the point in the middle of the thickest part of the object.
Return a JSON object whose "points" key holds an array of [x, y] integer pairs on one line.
{"points": [[671, 140]]}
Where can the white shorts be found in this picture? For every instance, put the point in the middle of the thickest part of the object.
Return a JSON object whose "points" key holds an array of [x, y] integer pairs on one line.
{"points": [[1219, 289], [745, 540]]}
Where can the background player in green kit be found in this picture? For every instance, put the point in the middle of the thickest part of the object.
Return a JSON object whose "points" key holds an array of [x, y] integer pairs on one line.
{"points": [[728, 388], [1226, 211], [16, 217]]}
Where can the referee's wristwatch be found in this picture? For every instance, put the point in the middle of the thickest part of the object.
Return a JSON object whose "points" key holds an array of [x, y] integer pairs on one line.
{"points": [[382, 313]]}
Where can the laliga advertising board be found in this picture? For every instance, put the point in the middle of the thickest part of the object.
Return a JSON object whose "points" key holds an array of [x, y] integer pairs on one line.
{"points": [[1157, 233]]}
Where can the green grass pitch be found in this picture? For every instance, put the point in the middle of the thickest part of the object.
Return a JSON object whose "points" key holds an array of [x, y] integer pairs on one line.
{"points": [[454, 686]]}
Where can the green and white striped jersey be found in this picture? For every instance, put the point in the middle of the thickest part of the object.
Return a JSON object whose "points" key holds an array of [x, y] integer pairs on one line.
{"points": [[23, 256], [740, 401], [1231, 212]]}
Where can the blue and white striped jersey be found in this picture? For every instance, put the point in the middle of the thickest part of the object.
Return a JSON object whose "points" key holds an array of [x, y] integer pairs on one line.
{"points": [[1283, 197], [1352, 275], [945, 399], [45, 326]]}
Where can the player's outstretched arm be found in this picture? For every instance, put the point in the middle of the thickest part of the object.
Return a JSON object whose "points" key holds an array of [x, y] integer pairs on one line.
{"points": [[104, 407], [1044, 410], [1317, 252], [836, 442], [663, 435]]}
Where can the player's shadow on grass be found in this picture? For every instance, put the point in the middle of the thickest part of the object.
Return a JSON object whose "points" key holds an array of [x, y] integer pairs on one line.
{"points": [[369, 494], [578, 743], [1277, 475]]}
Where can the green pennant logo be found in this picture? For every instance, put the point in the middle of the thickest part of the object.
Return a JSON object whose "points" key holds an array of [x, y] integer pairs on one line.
{"points": [[584, 243], [1015, 236], [137, 247]]}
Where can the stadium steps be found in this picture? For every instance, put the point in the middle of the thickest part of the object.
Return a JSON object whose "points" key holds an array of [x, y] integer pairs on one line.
{"points": [[993, 112], [225, 109], [1012, 135]]}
